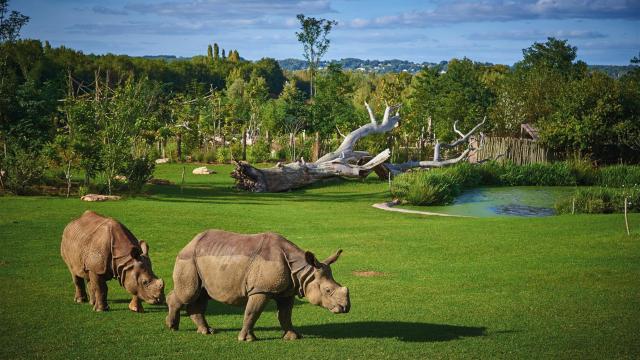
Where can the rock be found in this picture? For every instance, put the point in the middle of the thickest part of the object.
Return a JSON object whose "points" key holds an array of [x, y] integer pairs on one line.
{"points": [[162, 161], [159, 182], [202, 171], [120, 178], [97, 197]]}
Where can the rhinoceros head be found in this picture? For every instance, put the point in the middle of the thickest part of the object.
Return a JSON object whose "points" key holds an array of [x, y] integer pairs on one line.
{"points": [[140, 280], [323, 290]]}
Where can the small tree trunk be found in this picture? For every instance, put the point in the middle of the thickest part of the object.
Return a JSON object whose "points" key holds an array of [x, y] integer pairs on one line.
{"points": [[315, 153], [179, 146], [244, 143]]}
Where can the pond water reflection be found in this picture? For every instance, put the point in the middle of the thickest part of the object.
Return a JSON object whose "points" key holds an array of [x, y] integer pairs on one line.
{"points": [[529, 201]]}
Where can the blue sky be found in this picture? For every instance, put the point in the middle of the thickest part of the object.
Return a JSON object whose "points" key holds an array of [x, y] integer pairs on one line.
{"points": [[605, 31]]}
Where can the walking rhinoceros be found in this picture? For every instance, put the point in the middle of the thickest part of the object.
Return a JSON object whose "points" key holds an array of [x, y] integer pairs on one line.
{"points": [[250, 270], [97, 249]]}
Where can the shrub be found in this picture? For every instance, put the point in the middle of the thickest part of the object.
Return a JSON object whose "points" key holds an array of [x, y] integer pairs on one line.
{"points": [[223, 155], [258, 152], [197, 156], [23, 168], [139, 171], [209, 156]]}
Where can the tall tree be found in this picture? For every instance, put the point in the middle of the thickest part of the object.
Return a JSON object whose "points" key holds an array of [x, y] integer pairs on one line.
{"points": [[216, 52], [313, 37], [10, 25], [209, 53]]}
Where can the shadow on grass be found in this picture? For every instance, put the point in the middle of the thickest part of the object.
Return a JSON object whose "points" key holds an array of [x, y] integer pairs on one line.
{"points": [[403, 331], [334, 190]]}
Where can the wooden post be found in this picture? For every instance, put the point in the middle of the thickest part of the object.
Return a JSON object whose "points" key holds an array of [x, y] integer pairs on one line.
{"points": [[68, 176], [244, 143], [573, 206], [179, 146], [315, 153], [626, 219], [182, 183]]}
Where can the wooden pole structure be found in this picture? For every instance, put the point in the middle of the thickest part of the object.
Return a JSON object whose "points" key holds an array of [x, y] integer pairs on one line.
{"points": [[626, 219], [182, 183], [573, 206]]}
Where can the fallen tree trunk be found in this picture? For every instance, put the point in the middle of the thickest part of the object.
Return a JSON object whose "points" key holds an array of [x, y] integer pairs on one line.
{"points": [[343, 162]]}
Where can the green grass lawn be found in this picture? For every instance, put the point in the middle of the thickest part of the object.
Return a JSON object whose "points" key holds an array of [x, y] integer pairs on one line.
{"points": [[555, 287]]}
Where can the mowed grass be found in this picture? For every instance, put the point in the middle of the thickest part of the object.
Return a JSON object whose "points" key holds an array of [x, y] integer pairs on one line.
{"points": [[555, 287]]}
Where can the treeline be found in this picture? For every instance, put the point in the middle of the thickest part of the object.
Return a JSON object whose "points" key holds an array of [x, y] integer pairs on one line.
{"points": [[110, 116]]}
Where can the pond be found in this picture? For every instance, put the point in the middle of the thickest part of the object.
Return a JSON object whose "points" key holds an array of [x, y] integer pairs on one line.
{"points": [[531, 201]]}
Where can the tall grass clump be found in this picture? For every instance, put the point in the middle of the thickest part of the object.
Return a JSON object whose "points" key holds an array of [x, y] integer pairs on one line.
{"points": [[426, 187], [600, 200], [619, 175]]}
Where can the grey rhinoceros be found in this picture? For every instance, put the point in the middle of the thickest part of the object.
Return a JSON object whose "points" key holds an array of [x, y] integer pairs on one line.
{"points": [[98, 248], [250, 270]]}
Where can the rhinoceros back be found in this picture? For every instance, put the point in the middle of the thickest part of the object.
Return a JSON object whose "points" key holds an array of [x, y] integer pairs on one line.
{"points": [[234, 266], [90, 242]]}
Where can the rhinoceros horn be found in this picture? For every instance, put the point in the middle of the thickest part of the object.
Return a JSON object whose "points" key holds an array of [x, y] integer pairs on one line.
{"points": [[331, 259]]}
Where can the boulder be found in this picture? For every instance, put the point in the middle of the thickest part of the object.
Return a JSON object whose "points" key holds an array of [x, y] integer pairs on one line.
{"points": [[202, 171], [98, 197]]}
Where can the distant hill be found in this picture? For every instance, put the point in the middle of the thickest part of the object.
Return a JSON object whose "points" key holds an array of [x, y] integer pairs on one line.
{"points": [[387, 66], [353, 64]]}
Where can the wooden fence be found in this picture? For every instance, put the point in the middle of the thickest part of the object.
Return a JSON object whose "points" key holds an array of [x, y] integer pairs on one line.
{"points": [[519, 151]]}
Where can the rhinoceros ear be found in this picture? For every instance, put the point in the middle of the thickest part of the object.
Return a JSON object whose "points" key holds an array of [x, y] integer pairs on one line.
{"points": [[145, 248], [136, 252], [311, 259], [331, 259]]}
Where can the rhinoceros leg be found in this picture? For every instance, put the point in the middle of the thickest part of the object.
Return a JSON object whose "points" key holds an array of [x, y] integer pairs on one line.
{"points": [[255, 305], [196, 311], [81, 292], [136, 305], [98, 285], [186, 289], [173, 318], [285, 306]]}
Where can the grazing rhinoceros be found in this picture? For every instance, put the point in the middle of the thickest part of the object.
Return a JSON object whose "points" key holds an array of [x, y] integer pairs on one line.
{"points": [[97, 249], [241, 269]]}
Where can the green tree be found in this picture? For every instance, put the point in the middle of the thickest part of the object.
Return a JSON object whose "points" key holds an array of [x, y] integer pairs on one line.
{"points": [[216, 52], [293, 114], [332, 106], [10, 24], [313, 37]]}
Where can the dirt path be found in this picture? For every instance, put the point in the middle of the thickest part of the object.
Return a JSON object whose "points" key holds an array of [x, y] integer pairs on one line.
{"points": [[389, 206]]}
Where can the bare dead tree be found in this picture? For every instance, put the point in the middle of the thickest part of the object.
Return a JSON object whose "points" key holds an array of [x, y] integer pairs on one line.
{"points": [[344, 161], [437, 161]]}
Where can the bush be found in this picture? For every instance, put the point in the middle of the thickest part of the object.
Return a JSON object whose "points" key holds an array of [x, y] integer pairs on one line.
{"points": [[197, 156], [209, 157], [599, 200], [139, 171], [258, 152], [223, 155], [23, 168]]}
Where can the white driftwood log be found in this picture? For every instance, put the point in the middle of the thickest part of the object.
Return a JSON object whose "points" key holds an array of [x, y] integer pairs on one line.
{"points": [[343, 162], [437, 162]]}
